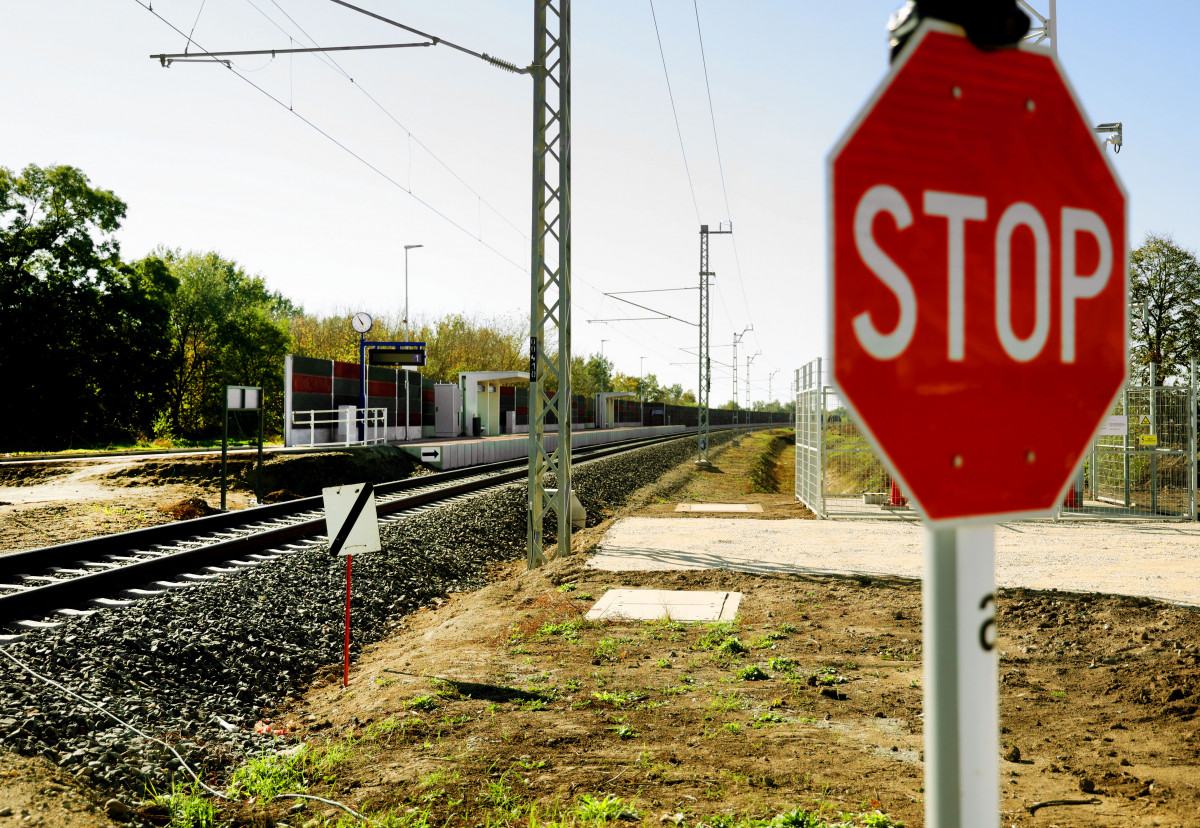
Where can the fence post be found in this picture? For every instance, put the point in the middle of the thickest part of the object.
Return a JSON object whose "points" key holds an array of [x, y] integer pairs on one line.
{"points": [[1154, 448], [1125, 440], [819, 420], [1191, 463]]}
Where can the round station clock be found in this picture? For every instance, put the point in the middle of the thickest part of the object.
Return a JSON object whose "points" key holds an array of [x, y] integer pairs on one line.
{"points": [[362, 322]]}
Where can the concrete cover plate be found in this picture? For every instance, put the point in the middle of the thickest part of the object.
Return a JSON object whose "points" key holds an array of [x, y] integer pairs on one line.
{"points": [[651, 604], [718, 507]]}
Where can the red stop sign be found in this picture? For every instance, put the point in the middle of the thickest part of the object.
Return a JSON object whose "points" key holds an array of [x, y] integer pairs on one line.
{"points": [[978, 269]]}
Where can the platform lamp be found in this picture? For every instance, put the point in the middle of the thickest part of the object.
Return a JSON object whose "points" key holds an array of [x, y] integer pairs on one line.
{"points": [[407, 247]]}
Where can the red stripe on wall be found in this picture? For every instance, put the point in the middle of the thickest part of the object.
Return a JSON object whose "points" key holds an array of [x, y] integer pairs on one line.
{"points": [[376, 388], [306, 384], [347, 370]]}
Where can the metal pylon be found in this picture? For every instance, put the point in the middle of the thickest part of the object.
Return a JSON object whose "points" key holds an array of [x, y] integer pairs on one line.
{"points": [[705, 360], [550, 272]]}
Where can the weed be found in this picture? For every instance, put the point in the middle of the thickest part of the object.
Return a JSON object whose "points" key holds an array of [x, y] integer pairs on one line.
{"points": [[787, 628], [618, 699], [732, 727], [752, 673], [624, 731], [663, 663], [572, 684], [606, 650], [766, 720], [827, 677], [566, 588], [715, 634], [422, 703], [782, 663], [610, 809], [727, 703], [569, 630]]}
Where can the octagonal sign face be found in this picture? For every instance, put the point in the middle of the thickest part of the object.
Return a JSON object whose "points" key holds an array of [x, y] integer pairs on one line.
{"points": [[978, 269]]}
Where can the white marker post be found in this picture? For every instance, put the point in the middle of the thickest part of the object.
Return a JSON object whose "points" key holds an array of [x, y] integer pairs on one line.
{"points": [[962, 777], [353, 527]]}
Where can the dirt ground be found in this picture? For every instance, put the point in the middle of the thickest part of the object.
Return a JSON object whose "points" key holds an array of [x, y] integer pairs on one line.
{"points": [[506, 705]]}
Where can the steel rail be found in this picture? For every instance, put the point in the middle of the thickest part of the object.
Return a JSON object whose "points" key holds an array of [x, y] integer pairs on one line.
{"points": [[48, 598]]}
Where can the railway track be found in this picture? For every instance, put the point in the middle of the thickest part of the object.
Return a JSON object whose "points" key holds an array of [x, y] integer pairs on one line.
{"points": [[43, 588]]}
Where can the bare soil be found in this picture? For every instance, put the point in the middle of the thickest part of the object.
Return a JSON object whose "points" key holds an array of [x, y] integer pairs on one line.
{"points": [[504, 699]]}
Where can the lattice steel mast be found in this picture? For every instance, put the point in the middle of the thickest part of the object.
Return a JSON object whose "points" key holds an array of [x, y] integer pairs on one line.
{"points": [[550, 273], [705, 361]]}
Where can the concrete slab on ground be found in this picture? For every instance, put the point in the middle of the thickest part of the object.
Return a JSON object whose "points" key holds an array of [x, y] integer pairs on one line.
{"points": [[1155, 560], [678, 605], [719, 507]]}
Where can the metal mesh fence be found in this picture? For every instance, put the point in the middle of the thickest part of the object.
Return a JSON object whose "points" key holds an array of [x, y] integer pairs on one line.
{"points": [[1143, 464]]}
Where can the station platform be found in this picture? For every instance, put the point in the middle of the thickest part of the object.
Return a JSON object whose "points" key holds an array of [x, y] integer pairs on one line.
{"points": [[446, 453]]}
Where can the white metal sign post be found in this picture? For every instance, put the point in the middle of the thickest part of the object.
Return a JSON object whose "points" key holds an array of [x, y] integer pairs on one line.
{"points": [[960, 666], [353, 527]]}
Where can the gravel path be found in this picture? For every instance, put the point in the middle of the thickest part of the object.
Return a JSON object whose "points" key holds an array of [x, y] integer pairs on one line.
{"points": [[1155, 560]]}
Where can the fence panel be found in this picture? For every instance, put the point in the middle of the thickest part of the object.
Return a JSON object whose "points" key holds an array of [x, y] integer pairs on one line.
{"points": [[1142, 465]]}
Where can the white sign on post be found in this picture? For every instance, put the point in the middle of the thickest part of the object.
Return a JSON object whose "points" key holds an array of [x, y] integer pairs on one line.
{"points": [[350, 519], [1115, 425]]}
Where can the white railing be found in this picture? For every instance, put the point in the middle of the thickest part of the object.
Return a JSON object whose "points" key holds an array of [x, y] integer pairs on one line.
{"points": [[342, 425]]}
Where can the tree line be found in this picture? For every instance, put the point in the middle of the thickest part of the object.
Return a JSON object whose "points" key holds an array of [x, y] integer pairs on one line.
{"points": [[95, 348]]}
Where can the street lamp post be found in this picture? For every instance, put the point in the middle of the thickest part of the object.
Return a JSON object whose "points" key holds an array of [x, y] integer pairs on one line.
{"points": [[407, 247], [642, 387], [602, 365]]}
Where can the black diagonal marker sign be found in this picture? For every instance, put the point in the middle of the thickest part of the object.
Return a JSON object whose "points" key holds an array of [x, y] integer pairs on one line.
{"points": [[340, 540]]}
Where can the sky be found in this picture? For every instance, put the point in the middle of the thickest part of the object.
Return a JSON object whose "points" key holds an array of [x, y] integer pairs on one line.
{"points": [[315, 172]]}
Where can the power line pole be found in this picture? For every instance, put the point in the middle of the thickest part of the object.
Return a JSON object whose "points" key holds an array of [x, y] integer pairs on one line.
{"points": [[749, 359], [550, 273], [737, 337], [705, 384]]}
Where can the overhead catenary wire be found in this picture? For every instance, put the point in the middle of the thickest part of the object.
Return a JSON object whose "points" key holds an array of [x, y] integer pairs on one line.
{"points": [[329, 61], [721, 169], [521, 267], [674, 111]]}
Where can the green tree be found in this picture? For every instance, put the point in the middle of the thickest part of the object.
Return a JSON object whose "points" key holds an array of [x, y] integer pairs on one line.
{"points": [[227, 328], [82, 335], [1164, 289]]}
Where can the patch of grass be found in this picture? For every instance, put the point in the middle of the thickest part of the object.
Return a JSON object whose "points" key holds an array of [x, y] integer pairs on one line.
{"points": [[627, 699], [566, 588], [187, 808], [269, 775], [421, 703], [624, 731], [605, 650], [828, 676], [766, 720], [752, 673], [663, 663], [782, 664], [714, 635], [569, 630], [610, 809]]}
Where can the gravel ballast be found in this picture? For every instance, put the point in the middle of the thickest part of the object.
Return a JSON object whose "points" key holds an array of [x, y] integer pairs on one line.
{"points": [[199, 667]]}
